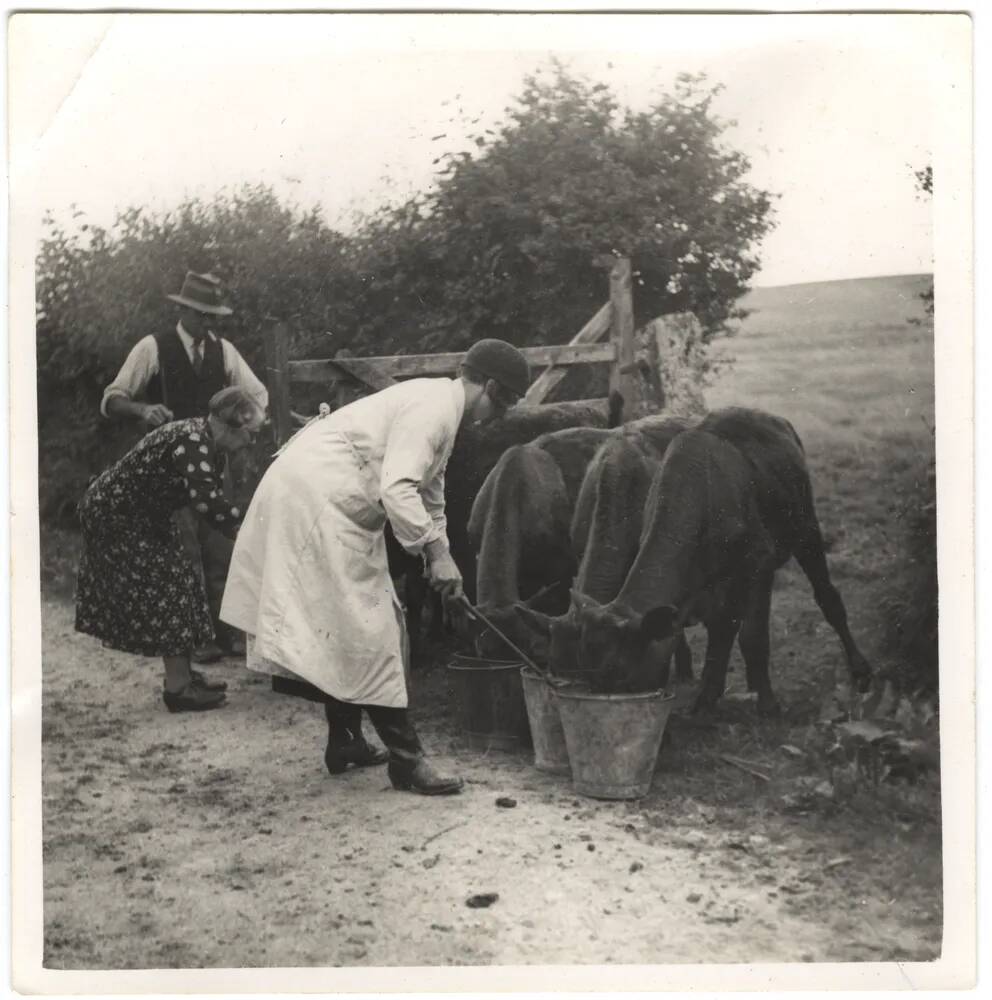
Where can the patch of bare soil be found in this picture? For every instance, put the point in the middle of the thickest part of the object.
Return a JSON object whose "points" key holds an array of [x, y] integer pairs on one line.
{"points": [[219, 840]]}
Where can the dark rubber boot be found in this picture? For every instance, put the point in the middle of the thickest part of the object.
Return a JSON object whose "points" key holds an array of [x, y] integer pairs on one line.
{"points": [[408, 768], [422, 779], [345, 742]]}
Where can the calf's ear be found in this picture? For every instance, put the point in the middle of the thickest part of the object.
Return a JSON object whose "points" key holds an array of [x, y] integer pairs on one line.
{"points": [[659, 623], [534, 620]]}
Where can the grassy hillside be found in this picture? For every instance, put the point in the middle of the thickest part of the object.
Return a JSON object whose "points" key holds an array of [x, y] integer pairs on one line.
{"points": [[841, 359]]}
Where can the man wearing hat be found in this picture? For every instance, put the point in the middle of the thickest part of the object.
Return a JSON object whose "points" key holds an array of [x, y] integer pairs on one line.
{"points": [[309, 582], [172, 375]]}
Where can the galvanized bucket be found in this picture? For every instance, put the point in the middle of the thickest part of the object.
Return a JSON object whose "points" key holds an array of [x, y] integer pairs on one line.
{"points": [[550, 751], [491, 710], [613, 740]]}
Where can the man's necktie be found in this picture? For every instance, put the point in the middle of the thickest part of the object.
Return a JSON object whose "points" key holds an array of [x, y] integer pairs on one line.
{"points": [[197, 358]]}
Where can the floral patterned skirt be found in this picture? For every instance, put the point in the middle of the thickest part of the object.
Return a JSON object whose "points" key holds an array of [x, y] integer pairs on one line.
{"points": [[137, 589]]}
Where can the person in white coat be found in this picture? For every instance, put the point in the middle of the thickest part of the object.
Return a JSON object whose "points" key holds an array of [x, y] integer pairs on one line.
{"points": [[309, 583]]}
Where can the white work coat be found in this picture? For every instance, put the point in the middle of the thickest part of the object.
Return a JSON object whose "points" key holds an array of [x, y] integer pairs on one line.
{"points": [[309, 582]]}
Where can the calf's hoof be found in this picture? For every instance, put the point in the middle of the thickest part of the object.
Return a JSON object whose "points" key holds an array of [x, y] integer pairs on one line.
{"points": [[863, 679], [704, 704], [769, 708]]}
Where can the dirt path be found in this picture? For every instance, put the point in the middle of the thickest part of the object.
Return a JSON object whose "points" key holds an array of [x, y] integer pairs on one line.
{"points": [[218, 840]]}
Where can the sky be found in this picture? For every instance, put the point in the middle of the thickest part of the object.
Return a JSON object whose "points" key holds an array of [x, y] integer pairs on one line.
{"points": [[835, 112]]}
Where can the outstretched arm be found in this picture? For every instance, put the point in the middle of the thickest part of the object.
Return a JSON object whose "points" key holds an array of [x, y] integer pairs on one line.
{"points": [[120, 398], [195, 459]]}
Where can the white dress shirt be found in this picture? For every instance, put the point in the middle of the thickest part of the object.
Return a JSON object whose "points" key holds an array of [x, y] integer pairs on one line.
{"points": [[141, 366]]}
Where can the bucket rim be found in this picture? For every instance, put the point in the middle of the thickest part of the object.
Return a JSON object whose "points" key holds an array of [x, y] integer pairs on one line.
{"points": [[552, 680], [461, 662], [660, 695]]}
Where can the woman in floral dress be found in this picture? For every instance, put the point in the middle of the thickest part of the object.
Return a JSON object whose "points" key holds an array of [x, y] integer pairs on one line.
{"points": [[137, 589]]}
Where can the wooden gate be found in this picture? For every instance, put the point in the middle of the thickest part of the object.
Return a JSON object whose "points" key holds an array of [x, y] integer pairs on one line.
{"points": [[615, 317]]}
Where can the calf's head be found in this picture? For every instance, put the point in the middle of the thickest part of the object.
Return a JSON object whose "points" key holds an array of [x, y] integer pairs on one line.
{"points": [[620, 650], [510, 620], [558, 636]]}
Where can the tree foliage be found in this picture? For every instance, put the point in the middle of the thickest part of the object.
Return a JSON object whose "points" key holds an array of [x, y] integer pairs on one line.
{"points": [[517, 236]]}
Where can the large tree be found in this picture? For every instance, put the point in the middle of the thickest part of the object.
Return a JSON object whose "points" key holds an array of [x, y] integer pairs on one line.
{"points": [[515, 239]]}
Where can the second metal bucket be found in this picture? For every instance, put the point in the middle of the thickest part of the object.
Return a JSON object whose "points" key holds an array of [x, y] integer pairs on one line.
{"points": [[550, 751]]}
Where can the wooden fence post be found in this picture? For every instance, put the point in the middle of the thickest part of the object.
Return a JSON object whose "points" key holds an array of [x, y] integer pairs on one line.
{"points": [[277, 379], [623, 373]]}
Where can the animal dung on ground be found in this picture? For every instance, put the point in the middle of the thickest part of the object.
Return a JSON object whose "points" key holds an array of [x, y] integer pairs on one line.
{"points": [[505, 802], [481, 900]]}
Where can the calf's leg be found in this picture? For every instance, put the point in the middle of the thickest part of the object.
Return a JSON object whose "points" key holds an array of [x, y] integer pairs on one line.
{"points": [[719, 642], [683, 661], [811, 557], [755, 646]]}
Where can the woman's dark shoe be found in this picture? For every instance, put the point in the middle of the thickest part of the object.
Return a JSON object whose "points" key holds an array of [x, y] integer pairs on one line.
{"points": [[201, 680], [358, 753], [193, 698], [420, 777], [209, 652]]}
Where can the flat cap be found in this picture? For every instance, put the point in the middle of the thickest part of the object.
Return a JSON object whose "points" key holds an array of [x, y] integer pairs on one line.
{"points": [[502, 362]]}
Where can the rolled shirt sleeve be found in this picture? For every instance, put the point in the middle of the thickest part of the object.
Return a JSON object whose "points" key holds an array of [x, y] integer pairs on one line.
{"points": [[412, 491], [138, 369], [240, 374], [432, 493]]}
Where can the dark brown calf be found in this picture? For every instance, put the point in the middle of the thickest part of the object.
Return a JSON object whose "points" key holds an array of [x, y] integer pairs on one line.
{"points": [[606, 532], [730, 504]]}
